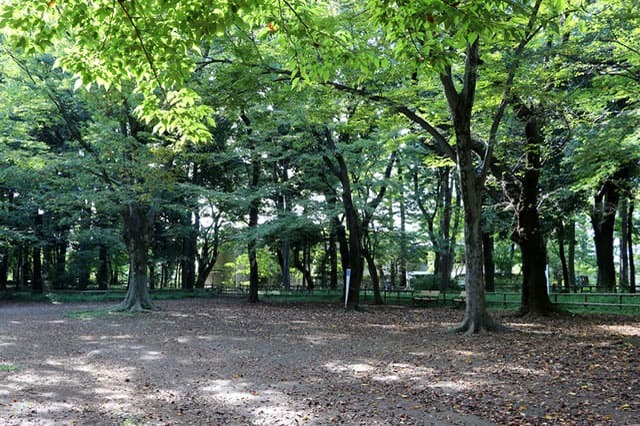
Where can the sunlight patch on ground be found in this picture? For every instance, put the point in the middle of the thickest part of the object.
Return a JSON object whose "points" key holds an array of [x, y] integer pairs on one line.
{"points": [[230, 392], [625, 330], [337, 367], [451, 386], [464, 353], [266, 406]]}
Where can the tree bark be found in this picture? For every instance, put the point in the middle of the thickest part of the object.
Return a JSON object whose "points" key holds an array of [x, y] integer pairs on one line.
{"points": [[446, 248], [254, 276], [471, 188], [102, 274], [254, 211], [402, 259], [571, 254], [188, 258], [603, 219], [37, 283], [354, 259], [528, 233], [137, 236], [301, 262], [4, 268], [209, 252], [375, 279], [629, 237], [624, 251], [333, 258], [489, 264], [560, 232], [285, 264]]}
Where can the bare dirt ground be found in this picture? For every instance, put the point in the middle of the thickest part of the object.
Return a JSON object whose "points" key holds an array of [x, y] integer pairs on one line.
{"points": [[210, 362]]}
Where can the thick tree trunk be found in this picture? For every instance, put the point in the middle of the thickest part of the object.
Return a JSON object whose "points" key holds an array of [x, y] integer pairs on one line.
{"points": [[471, 188], [137, 235], [476, 317], [528, 232], [489, 264], [61, 247], [603, 219], [37, 283]]}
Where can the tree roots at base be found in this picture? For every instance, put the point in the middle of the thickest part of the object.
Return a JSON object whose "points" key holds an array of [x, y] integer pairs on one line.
{"points": [[482, 324], [134, 305]]}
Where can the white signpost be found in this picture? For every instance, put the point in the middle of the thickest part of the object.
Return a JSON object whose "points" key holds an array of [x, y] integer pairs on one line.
{"points": [[346, 287]]}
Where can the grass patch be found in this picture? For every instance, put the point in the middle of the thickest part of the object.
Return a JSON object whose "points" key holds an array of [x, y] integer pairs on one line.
{"points": [[87, 315], [8, 368]]}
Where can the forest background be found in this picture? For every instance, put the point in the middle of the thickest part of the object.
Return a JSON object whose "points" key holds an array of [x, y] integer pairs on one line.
{"points": [[284, 142]]}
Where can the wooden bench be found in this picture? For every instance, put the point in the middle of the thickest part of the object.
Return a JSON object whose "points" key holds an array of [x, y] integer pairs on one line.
{"points": [[426, 296]]}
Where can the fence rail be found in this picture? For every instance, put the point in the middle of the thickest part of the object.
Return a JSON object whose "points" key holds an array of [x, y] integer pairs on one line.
{"points": [[617, 300]]}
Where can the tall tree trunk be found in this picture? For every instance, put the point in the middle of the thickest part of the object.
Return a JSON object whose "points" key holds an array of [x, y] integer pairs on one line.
{"points": [[571, 253], [402, 259], [489, 264], [603, 219], [254, 276], [354, 259], [83, 262], [476, 316], [333, 258], [446, 249], [285, 266], [375, 279], [37, 283], [300, 261], [138, 220], [528, 232], [624, 251], [4, 268], [471, 189], [561, 234], [61, 247], [254, 212], [629, 237], [209, 252], [188, 258], [102, 274]]}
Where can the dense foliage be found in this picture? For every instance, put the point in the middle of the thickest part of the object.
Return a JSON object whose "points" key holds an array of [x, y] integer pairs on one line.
{"points": [[281, 142]]}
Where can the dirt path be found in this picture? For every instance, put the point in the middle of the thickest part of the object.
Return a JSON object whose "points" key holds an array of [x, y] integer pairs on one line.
{"points": [[209, 362]]}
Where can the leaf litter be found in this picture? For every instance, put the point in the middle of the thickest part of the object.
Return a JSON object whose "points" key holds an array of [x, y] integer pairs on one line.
{"points": [[223, 361]]}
